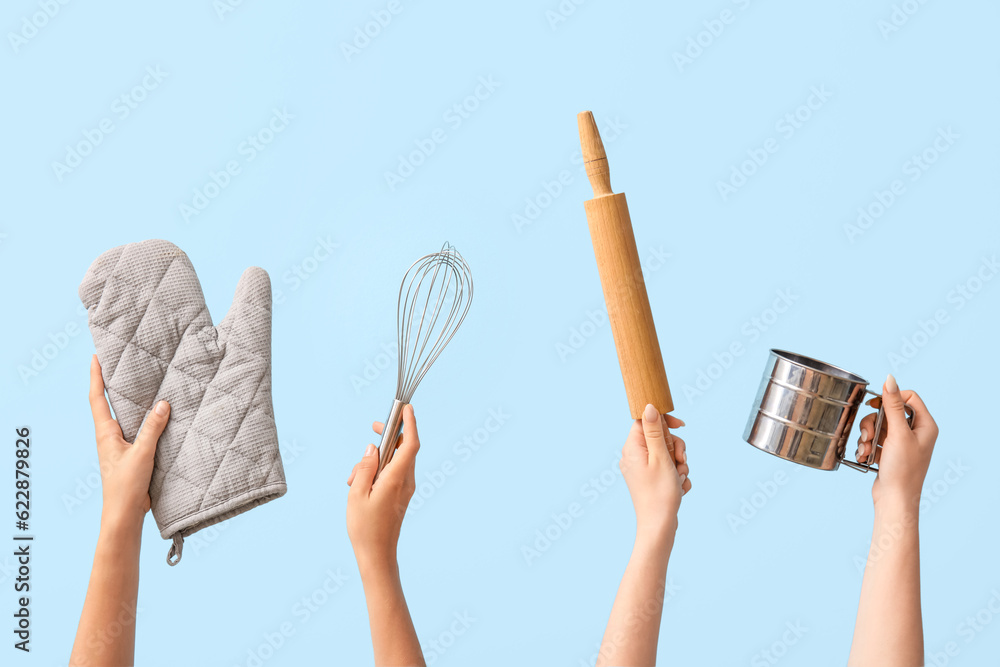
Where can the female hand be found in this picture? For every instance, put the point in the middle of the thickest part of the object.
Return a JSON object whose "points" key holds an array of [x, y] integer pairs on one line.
{"points": [[375, 511], [106, 634], [654, 464], [126, 468], [906, 452]]}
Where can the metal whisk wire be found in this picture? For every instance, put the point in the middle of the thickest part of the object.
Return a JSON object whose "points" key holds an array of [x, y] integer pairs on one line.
{"points": [[456, 279], [440, 286]]}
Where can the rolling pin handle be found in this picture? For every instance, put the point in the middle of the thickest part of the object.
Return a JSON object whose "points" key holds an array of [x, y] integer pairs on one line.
{"points": [[595, 160]]}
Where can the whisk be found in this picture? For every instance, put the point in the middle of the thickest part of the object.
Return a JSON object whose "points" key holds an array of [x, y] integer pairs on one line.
{"points": [[434, 298]]}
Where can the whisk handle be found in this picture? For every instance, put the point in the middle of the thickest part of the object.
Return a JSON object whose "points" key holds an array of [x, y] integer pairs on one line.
{"points": [[390, 435]]}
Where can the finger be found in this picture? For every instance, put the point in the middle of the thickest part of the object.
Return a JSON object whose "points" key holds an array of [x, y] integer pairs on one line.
{"points": [[865, 438], [653, 430], [378, 427], [867, 428], [674, 422], [864, 449], [104, 423], [683, 470], [921, 415], [892, 404], [364, 473], [406, 452], [685, 486], [98, 403], [868, 423], [680, 450], [669, 438], [153, 427], [354, 471]]}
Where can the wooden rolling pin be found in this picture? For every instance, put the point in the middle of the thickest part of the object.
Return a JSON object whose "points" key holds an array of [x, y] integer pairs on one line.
{"points": [[621, 277]]}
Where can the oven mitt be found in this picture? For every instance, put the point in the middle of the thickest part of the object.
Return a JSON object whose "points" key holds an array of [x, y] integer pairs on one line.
{"points": [[218, 456]]}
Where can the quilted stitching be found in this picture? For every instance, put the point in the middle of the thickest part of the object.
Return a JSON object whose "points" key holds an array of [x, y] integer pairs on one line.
{"points": [[219, 454], [141, 317], [179, 370]]}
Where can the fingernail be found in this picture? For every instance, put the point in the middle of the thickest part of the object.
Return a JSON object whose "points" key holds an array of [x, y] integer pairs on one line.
{"points": [[864, 434], [650, 414], [683, 479], [161, 408], [890, 384], [370, 450], [682, 423], [857, 453]]}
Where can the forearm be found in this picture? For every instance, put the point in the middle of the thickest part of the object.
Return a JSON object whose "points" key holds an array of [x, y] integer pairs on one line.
{"points": [[889, 629], [106, 634], [394, 638], [634, 626]]}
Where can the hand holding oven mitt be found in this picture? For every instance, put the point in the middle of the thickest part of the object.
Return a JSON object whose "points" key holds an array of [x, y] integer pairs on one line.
{"points": [[218, 456]]}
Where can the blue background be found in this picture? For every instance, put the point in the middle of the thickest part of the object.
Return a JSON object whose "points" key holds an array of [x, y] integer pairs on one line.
{"points": [[672, 133]]}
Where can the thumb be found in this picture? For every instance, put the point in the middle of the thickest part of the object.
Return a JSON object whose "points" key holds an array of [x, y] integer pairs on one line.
{"points": [[652, 428], [364, 472], [248, 321], [892, 403], [634, 451], [153, 427]]}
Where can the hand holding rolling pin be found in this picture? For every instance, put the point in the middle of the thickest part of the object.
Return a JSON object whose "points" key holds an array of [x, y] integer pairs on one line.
{"points": [[656, 485], [654, 462], [654, 465]]}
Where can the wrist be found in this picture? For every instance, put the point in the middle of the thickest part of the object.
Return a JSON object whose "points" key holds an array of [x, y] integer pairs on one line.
{"points": [[657, 538], [119, 536], [121, 524], [380, 564], [662, 524], [896, 501], [897, 508]]}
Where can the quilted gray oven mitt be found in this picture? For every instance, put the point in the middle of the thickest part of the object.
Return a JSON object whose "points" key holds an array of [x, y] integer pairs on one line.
{"points": [[218, 456]]}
